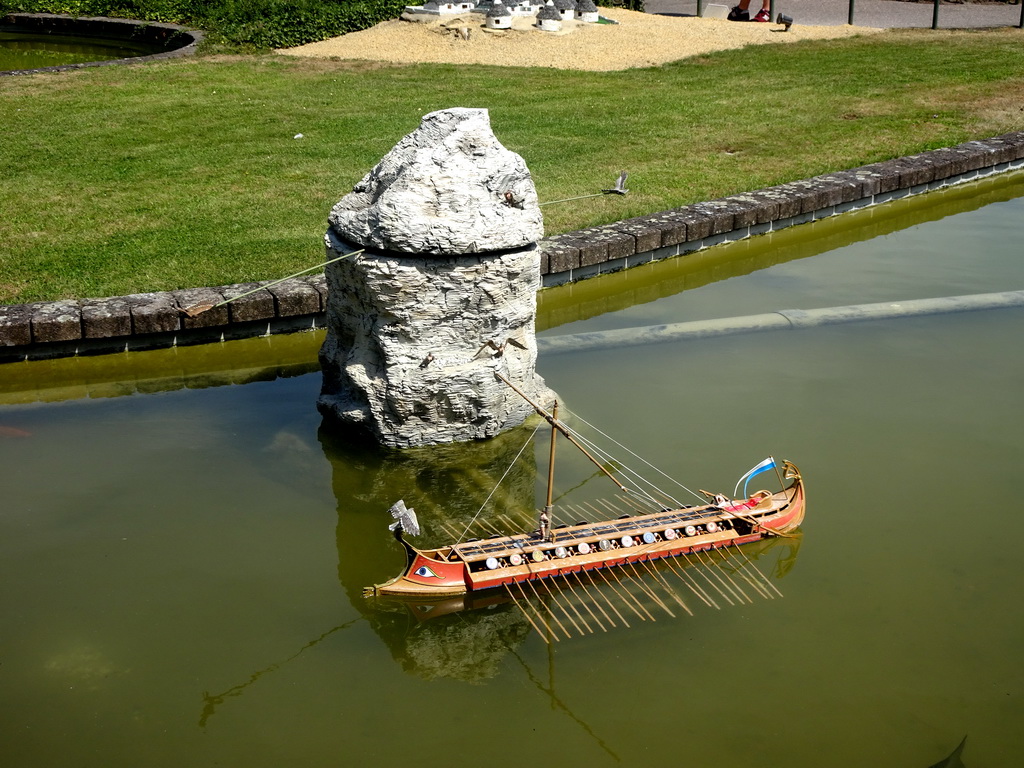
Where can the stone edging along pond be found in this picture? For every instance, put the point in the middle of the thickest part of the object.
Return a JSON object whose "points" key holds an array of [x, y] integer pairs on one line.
{"points": [[155, 320]]}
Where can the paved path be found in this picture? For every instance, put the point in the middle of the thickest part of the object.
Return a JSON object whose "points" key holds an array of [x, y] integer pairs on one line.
{"points": [[868, 13]]}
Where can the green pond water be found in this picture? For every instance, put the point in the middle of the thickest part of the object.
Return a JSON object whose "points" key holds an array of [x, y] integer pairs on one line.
{"points": [[31, 50], [183, 546]]}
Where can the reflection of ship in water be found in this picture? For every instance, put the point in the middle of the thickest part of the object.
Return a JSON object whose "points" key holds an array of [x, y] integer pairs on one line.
{"points": [[469, 636]]}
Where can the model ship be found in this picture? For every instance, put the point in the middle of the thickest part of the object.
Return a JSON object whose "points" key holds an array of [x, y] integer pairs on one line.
{"points": [[639, 538]]}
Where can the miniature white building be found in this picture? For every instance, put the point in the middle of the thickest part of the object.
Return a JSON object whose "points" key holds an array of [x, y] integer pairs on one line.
{"points": [[525, 8], [441, 7], [566, 9], [586, 11], [499, 17], [548, 18]]}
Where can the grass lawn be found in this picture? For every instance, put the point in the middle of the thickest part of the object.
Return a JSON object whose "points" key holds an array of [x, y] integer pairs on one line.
{"points": [[124, 179]]}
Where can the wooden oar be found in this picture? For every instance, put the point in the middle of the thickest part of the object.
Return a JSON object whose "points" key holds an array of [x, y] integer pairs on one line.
{"points": [[600, 607], [708, 579], [584, 602], [718, 564], [689, 581], [738, 568], [647, 590], [711, 567], [615, 509], [560, 607], [611, 605], [574, 608], [552, 613], [527, 615], [757, 571], [665, 585], [612, 574], [448, 530], [512, 526]]}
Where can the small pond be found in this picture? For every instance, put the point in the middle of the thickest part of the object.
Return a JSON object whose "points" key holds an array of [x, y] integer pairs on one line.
{"points": [[183, 546], [37, 41], [25, 50]]}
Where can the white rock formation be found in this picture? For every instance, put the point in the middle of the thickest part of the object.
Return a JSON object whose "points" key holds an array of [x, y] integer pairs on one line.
{"points": [[446, 295], [449, 187]]}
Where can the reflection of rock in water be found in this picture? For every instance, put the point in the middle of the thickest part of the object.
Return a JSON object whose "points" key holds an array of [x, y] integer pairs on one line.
{"points": [[450, 485], [447, 485], [469, 646], [83, 667], [293, 462]]}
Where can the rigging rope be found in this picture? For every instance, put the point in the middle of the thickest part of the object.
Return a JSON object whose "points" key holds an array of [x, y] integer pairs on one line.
{"points": [[604, 455], [640, 458], [497, 484], [637, 478]]}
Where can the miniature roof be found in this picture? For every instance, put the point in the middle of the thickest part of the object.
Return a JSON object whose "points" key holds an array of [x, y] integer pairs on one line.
{"points": [[549, 13]]}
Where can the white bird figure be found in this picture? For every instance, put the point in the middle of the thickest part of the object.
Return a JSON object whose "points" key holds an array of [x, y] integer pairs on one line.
{"points": [[620, 186], [405, 519]]}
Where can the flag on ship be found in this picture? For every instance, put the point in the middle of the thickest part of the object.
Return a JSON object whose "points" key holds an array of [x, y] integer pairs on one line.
{"points": [[764, 466]]}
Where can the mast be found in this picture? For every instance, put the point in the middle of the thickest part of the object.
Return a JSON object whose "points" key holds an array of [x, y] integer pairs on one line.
{"points": [[545, 516], [778, 474], [554, 422]]}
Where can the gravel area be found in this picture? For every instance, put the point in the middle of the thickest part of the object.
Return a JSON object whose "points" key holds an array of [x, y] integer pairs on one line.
{"points": [[638, 40]]}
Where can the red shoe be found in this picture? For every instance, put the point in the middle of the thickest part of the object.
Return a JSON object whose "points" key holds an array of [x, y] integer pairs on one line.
{"points": [[764, 16]]}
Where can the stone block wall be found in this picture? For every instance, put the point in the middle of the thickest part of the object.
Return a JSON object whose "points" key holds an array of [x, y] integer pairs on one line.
{"points": [[578, 255], [155, 320]]}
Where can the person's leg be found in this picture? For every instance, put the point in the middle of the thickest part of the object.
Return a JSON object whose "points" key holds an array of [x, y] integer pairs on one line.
{"points": [[765, 14], [739, 12]]}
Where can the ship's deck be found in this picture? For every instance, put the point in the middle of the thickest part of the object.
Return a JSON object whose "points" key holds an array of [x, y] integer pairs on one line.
{"points": [[474, 550]]}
